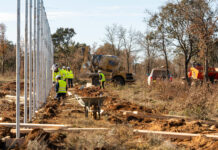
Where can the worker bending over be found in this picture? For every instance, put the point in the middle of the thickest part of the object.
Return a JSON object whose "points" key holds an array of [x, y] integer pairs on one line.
{"points": [[60, 88], [102, 79], [70, 77]]}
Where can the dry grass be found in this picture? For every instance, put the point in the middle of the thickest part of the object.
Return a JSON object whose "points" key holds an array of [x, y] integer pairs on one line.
{"points": [[8, 77], [119, 138], [174, 98], [202, 103]]}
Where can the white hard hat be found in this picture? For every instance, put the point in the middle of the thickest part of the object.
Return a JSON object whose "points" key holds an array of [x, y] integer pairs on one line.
{"points": [[63, 67], [68, 67], [58, 76], [99, 71]]}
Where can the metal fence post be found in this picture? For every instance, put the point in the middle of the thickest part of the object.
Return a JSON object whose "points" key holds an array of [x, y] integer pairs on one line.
{"points": [[18, 73], [37, 55], [30, 64], [25, 63], [34, 62]]}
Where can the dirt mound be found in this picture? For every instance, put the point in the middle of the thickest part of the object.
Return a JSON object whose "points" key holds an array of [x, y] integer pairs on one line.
{"points": [[2, 94], [5, 131], [114, 119], [199, 143], [52, 140], [7, 106], [173, 125], [11, 86], [89, 92], [7, 119], [127, 106], [114, 104], [203, 142], [8, 111], [50, 110]]}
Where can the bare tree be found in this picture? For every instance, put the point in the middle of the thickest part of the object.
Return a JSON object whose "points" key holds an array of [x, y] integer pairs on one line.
{"points": [[146, 42], [129, 41], [114, 36], [177, 28], [158, 23], [111, 32], [3, 45]]}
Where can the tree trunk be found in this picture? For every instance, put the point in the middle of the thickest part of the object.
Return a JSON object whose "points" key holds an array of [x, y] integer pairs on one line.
{"points": [[3, 57], [114, 51], [3, 66], [165, 55], [206, 77], [186, 71], [167, 66], [127, 59], [148, 67]]}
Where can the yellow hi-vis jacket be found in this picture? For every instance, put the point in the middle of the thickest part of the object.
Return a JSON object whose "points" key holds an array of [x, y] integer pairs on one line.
{"points": [[70, 74], [102, 77], [54, 76], [62, 86], [63, 74]]}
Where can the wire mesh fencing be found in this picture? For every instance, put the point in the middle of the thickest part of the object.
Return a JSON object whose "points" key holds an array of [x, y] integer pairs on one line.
{"points": [[38, 60]]}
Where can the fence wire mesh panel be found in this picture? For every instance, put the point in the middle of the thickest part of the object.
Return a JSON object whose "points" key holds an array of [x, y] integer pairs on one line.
{"points": [[38, 48]]}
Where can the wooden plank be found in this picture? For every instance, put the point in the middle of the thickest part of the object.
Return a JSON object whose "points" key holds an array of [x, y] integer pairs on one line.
{"points": [[85, 129], [60, 129], [174, 134], [13, 97], [159, 116], [29, 125]]}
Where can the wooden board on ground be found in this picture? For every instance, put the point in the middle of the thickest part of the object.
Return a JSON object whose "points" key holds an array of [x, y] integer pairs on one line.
{"points": [[22, 130], [30, 125], [175, 134]]}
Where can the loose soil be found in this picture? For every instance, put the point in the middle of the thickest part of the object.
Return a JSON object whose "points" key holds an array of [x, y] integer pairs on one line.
{"points": [[10, 88], [52, 140], [116, 112], [89, 92]]}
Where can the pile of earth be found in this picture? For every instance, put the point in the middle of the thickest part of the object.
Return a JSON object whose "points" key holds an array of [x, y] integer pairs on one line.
{"points": [[8, 111], [89, 92], [49, 111], [2, 94], [10, 87], [124, 112], [114, 104], [198, 143], [39, 138], [172, 125], [5, 131]]}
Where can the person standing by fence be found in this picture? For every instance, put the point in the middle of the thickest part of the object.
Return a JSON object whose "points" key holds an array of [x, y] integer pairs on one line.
{"points": [[70, 77]]}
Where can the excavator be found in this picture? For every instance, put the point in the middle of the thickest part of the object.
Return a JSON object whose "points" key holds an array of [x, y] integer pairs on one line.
{"points": [[108, 64]]}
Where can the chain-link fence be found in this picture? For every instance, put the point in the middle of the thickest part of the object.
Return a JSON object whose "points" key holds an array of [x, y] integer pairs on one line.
{"points": [[39, 50]]}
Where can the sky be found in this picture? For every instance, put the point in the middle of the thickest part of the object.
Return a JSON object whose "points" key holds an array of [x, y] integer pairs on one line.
{"points": [[89, 18]]}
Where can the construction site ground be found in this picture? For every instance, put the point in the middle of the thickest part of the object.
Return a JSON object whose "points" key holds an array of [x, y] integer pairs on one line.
{"points": [[121, 115]]}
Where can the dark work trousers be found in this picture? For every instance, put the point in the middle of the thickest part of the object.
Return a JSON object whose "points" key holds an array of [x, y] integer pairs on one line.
{"points": [[70, 83], [102, 84], [59, 95]]}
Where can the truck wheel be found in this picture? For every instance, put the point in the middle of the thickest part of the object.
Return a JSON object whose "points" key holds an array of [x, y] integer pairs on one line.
{"points": [[119, 81], [95, 81]]}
